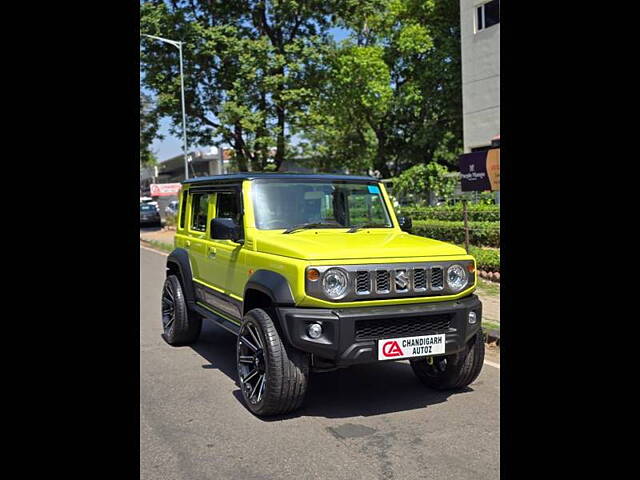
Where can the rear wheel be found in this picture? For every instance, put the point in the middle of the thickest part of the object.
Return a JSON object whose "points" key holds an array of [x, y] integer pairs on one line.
{"points": [[449, 373], [273, 376], [180, 326]]}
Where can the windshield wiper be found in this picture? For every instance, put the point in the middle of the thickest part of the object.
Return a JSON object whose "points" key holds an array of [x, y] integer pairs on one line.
{"points": [[302, 226], [366, 225]]}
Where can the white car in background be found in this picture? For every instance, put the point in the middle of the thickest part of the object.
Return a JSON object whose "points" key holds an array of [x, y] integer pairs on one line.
{"points": [[172, 208]]}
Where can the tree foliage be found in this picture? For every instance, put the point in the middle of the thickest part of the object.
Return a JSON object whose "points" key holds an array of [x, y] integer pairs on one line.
{"points": [[423, 179], [249, 69], [394, 86], [148, 130], [265, 77]]}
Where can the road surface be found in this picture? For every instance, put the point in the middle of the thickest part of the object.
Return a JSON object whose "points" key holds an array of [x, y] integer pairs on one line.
{"points": [[366, 422]]}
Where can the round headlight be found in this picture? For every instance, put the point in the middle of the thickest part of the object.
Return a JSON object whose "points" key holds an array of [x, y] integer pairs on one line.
{"points": [[456, 277], [335, 283]]}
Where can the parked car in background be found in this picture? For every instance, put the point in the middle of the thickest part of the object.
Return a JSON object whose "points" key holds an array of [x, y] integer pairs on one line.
{"points": [[172, 208], [149, 214]]}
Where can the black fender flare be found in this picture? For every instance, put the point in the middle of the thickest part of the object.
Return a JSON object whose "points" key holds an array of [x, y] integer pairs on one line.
{"points": [[272, 284], [179, 258]]}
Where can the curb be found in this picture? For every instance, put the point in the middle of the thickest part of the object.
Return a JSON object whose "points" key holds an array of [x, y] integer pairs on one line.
{"points": [[492, 336]]}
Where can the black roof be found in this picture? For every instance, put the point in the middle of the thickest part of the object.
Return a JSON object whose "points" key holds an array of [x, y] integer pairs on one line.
{"points": [[257, 175]]}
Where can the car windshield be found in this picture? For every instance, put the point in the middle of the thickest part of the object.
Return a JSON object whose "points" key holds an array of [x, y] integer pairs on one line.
{"points": [[147, 208], [338, 204]]}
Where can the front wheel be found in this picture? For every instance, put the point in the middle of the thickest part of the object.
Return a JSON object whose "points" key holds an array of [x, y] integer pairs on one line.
{"points": [[273, 376], [444, 373]]}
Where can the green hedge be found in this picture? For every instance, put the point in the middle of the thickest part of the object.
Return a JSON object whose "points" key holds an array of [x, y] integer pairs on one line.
{"points": [[486, 259], [486, 234], [475, 213]]}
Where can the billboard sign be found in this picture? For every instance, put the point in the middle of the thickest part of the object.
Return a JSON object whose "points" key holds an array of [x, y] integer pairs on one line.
{"points": [[480, 171], [165, 189]]}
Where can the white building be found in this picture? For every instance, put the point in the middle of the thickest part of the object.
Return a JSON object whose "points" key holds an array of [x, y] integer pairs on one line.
{"points": [[480, 38]]}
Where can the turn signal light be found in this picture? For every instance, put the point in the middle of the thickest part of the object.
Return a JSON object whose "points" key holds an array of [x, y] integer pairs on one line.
{"points": [[313, 274], [471, 268]]}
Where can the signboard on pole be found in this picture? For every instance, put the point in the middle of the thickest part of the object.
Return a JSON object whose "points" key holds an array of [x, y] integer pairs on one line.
{"points": [[165, 189], [480, 171]]}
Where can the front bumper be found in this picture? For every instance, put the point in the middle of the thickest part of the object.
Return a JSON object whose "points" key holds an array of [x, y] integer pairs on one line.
{"points": [[350, 335]]}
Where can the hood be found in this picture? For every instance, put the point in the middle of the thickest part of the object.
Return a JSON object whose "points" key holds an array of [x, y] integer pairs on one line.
{"points": [[331, 245]]}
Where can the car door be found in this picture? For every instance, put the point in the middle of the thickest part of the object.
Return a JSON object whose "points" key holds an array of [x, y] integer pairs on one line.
{"points": [[198, 230], [223, 257]]}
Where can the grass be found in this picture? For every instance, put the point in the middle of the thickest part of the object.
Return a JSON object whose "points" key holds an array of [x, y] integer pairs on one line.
{"points": [[489, 325], [488, 288], [167, 247]]}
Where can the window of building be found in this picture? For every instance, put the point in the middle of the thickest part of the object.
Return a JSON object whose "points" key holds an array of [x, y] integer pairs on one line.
{"points": [[199, 207], [487, 15]]}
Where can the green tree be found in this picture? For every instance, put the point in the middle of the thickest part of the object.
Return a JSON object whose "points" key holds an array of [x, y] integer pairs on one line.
{"points": [[250, 69], [148, 130], [393, 89], [422, 179]]}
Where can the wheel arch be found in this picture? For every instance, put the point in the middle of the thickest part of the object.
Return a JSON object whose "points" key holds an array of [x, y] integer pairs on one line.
{"points": [[178, 264]]}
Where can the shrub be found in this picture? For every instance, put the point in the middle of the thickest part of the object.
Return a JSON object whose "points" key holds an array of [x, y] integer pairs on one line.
{"points": [[480, 233], [475, 213], [486, 258]]}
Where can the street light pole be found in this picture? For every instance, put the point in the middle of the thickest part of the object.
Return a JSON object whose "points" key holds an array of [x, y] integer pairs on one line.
{"points": [[178, 45]]}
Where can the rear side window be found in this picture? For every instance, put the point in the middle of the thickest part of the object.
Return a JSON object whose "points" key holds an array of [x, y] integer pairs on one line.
{"points": [[199, 208], [183, 209]]}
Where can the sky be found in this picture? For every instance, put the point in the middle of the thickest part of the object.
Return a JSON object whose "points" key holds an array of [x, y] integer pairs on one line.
{"points": [[171, 146]]}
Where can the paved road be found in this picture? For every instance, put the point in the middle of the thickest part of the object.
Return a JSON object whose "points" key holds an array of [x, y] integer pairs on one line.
{"points": [[367, 422]]}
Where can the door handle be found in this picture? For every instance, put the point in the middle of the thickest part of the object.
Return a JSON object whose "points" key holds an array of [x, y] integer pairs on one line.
{"points": [[188, 243], [211, 251]]}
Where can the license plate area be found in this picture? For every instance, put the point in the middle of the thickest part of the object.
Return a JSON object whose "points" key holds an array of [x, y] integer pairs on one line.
{"points": [[408, 347]]}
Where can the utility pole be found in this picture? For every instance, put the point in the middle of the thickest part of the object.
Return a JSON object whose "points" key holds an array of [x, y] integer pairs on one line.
{"points": [[178, 45]]}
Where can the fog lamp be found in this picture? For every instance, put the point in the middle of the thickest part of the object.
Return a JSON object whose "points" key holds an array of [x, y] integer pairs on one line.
{"points": [[472, 318], [314, 330]]}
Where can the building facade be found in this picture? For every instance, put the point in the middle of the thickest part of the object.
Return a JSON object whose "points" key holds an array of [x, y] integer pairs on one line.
{"points": [[480, 42]]}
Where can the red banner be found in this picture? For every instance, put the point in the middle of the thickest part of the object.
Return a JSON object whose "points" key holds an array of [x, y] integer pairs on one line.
{"points": [[165, 189]]}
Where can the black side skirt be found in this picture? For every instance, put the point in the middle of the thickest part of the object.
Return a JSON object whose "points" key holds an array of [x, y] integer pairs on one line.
{"points": [[218, 320]]}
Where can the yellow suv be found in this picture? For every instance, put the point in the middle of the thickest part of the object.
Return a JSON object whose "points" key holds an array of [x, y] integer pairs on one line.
{"points": [[313, 273]]}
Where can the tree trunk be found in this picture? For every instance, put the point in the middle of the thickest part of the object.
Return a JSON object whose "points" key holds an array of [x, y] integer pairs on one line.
{"points": [[239, 150], [379, 163], [280, 140]]}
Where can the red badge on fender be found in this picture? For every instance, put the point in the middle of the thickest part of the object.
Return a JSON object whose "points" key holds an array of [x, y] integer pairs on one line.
{"points": [[391, 349]]}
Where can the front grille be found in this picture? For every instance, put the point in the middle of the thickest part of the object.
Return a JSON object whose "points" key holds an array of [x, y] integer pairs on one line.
{"points": [[437, 278], [382, 281], [402, 327], [362, 282], [419, 279]]}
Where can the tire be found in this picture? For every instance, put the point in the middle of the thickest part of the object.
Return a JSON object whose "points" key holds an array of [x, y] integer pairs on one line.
{"points": [[444, 373], [273, 376], [181, 327]]}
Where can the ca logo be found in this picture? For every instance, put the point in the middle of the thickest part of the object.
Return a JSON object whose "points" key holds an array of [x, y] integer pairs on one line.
{"points": [[391, 349]]}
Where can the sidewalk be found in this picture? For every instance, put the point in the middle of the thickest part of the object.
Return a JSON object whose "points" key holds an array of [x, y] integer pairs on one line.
{"points": [[157, 235]]}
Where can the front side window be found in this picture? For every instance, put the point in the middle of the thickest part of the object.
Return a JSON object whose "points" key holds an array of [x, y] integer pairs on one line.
{"points": [[285, 204], [227, 206], [199, 209]]}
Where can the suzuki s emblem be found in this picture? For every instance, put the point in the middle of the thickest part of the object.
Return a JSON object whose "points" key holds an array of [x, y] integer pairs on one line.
{"points": [[402, 280]]}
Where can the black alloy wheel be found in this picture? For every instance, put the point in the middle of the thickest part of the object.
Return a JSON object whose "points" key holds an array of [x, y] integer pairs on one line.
{"points": [[251, 363], [180, 326], [272, 374], [452, 372]]}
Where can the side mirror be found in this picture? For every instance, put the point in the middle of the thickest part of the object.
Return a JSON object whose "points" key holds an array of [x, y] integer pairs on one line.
{"points": [[405, 224], [225, 229]]}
